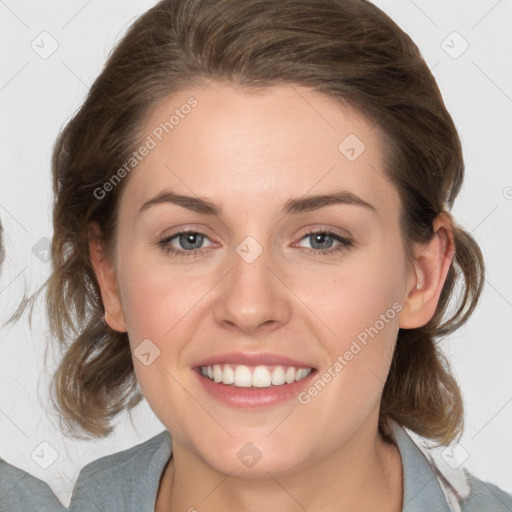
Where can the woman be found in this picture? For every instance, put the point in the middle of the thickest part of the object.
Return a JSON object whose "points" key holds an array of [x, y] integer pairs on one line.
{"points": [[252, 225]]}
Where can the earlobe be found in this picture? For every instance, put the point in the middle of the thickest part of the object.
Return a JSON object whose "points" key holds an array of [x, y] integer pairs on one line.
{"points": [[107, 281], [432, 262]]}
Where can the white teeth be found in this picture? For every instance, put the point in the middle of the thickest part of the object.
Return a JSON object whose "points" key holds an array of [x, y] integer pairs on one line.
{"points": [[278, 376], [261, 377], [243, 377], [217, 373], [257, 376], [303, 372], [228, 375]]}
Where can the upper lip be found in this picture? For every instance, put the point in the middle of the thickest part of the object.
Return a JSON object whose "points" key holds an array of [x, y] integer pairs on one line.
{"points": [[259, 359]]}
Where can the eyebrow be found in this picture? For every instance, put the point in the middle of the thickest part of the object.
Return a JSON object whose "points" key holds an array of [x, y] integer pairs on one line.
{"points": [[297, 205], [310, 203], [190, 203]]}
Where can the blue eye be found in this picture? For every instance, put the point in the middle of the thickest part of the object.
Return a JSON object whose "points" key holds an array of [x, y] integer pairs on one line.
{"points": [[325, 242], [190, 243], [322, 241]]}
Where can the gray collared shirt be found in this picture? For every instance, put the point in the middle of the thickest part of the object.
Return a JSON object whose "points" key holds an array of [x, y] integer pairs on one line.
{"points": [[128, 482]]}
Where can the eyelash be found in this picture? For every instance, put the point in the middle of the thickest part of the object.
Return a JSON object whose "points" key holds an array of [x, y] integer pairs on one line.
{"points": [[344, 244]]}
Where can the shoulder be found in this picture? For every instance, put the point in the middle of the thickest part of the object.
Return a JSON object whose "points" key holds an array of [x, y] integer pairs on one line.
{"points": [[20, 491], [124, 481], [485, 496], [136, 456], [462, 490]]}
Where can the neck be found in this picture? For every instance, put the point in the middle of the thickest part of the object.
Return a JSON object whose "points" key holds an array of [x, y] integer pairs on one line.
{"points": [[364, 474]]}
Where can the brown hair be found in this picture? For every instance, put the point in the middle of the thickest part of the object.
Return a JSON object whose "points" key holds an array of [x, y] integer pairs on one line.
{"points": [[346, 49]]}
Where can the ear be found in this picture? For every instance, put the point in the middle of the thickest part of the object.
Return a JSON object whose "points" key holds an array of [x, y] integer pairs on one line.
{"points": [[104, 270], [430, 267]]}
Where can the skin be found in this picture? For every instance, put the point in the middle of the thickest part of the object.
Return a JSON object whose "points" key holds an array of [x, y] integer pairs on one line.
{"points": [[250, 152]]}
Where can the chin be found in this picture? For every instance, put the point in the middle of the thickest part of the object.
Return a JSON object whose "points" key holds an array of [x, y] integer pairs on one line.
{"points": [[244, 457]]}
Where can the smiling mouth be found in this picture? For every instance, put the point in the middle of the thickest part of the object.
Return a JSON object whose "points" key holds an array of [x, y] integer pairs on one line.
{"points": [[243, 376]]}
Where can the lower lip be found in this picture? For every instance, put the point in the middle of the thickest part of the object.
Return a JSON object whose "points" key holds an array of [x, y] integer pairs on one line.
{"points": [[253, 398]]}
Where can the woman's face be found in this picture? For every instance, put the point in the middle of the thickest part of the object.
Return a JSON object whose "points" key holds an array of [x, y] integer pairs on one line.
{"points": [[269, 285]]}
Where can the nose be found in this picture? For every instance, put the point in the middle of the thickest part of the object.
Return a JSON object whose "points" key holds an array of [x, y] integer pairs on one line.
{"points": [[252, 297]]}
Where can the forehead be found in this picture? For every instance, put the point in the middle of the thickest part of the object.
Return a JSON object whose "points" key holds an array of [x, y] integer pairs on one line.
{"points": [[226, 142]]}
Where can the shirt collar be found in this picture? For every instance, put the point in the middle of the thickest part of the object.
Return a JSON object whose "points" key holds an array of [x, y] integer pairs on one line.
{"points": [[422, 492]]}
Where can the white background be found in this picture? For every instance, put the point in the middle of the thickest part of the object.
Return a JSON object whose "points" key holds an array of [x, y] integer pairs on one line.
{"points": [[38, 95]]}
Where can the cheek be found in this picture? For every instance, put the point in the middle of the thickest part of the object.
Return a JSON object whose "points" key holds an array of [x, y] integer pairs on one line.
{"points": [[156, 297], [360, 325], [359, 322], [350, 299], [157, 303]]}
